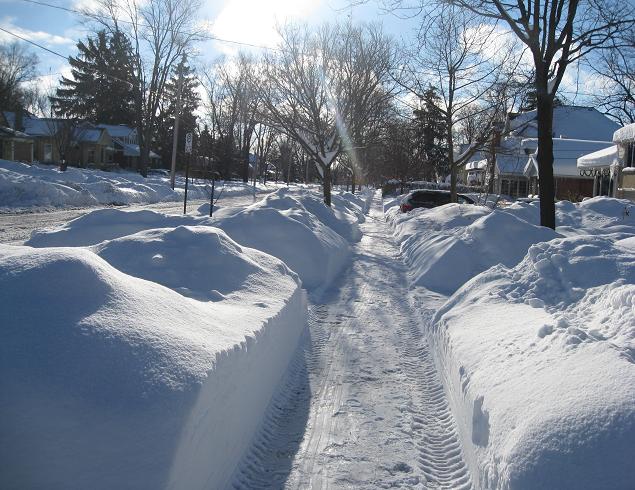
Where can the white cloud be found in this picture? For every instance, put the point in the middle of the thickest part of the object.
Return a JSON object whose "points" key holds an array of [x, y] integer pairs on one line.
{"points": [[41, 37]]}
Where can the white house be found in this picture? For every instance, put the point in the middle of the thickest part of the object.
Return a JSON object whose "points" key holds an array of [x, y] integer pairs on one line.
{"points": [[613, 168]]}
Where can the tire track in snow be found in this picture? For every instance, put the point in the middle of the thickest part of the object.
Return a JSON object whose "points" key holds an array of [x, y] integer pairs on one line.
{"points": [[361, 405], [441, 458]]}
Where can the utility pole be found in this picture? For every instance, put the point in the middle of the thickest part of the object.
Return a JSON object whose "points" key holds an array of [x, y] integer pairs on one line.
{"points": [[175, 138]]}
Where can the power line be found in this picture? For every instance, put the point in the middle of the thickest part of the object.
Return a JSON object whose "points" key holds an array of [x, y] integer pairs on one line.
{"points": [[123, 21], [60, 55]]}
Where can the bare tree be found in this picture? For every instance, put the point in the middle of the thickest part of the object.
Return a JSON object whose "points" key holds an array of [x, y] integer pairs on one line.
{"points": [[17, 66], [161, 32], [557, 33], [458, 55], [616, 69], [321, 86]]}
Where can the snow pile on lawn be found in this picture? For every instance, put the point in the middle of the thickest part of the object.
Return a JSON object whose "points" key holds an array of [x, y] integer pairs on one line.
{"points": [[538, 361], [599, 215], [112, 380], [106, 224], [448, 245], [298, 228], [38, 185]]}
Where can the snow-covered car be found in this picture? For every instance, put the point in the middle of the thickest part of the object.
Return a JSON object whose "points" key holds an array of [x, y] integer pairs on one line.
{"points": [[429, 198]]}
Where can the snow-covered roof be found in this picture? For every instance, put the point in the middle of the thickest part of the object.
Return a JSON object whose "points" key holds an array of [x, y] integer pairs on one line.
{"points": [[599, 159], [13, 134], [131, 150], [87, 135], [571, 122], [476, 165], [513, 164], [117, 130], [565, 155], [625, 134]]}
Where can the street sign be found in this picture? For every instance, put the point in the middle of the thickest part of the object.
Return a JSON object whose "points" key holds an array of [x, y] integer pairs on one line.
{"points": [[188, 143]]}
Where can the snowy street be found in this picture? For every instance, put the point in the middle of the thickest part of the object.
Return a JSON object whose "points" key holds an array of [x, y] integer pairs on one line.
{"points": [[366, 408], [15, 228]]}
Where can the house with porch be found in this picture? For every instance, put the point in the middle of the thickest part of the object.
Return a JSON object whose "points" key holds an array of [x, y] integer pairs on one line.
{"points": [[576, 130], [613, 168], [126, 150]]}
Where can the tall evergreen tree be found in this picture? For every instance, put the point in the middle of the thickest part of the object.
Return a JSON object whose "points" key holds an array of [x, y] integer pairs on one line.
{"points": [[190, 101], [431, 135], [102, 87]]}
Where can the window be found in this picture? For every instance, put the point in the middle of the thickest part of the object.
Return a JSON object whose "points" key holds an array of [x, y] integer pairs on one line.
{"points": [[91, 155], [629, 158], [522, 188], [505, 186], [48, 153]]}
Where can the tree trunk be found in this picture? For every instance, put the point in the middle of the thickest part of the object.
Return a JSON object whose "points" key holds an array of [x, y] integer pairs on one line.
{"points": [[353, 182], [326, 186], [245, 171], [545, 155], [453, 196]]}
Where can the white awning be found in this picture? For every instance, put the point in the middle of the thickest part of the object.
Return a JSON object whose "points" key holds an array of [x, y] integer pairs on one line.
{"points": [[599, 159], [625, 134], [476, 165]]}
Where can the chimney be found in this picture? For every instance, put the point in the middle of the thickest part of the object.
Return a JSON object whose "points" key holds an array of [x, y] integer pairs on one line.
{"points": [[19, 119]]}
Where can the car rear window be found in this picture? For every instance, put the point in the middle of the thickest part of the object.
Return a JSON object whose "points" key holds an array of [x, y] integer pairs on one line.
{"points": [[431, 197]]}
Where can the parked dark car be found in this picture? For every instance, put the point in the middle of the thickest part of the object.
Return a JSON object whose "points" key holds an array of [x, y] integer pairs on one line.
{"points": [[429, 198]]}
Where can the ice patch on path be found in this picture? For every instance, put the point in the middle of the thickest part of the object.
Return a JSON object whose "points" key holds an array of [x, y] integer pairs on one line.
{"points": [[448, 245], [114, 381], [538, 361], [107, 224]]}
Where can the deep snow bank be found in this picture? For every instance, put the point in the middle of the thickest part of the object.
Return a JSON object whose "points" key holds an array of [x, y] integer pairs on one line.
{"points": [[446, 246], [39, 185], [115, 381], [538, 361], [596, 216], [298, 228], [106, 224]]}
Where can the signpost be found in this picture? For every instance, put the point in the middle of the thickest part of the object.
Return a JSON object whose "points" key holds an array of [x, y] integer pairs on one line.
{"points": [[188, 150]]}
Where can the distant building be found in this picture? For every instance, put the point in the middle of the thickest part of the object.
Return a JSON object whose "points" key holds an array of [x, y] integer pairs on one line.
{"points": [[15, 145], [576, 131], [84, 144], [126, 151]]}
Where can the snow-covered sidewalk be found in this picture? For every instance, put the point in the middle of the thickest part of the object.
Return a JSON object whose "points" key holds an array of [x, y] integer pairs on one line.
{"points": [[362, 406]]}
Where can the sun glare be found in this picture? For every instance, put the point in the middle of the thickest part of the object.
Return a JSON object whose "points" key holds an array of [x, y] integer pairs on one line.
{"points": [[254, 21]]}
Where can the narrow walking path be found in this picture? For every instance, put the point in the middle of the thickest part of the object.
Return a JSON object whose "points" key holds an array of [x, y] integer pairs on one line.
{"points": [[362, 406]]}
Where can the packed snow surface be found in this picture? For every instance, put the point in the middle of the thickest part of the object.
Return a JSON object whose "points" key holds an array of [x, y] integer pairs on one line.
{"points": [[42, 186], [145, 361]]}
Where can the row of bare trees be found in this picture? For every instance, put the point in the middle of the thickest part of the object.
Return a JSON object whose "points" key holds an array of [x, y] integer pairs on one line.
{"points": [[344, 95]]}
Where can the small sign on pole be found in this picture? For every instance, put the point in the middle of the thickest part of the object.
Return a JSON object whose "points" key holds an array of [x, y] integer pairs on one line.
{"points": [[188, 143], [188, 150]]}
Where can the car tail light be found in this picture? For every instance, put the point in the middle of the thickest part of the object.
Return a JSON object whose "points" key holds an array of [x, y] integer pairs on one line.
{"points": [[405, 208]]}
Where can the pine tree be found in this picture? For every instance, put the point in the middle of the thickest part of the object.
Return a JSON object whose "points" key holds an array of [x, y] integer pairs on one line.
{"points": [[190, 100], [102, 86], [431, 135]]}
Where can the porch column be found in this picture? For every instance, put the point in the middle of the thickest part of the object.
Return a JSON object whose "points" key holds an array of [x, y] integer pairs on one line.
{"points": [[12, 150]]}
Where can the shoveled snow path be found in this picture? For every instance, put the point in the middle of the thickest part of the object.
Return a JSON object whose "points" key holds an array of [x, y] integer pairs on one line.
{"points": [[362, 405]]}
